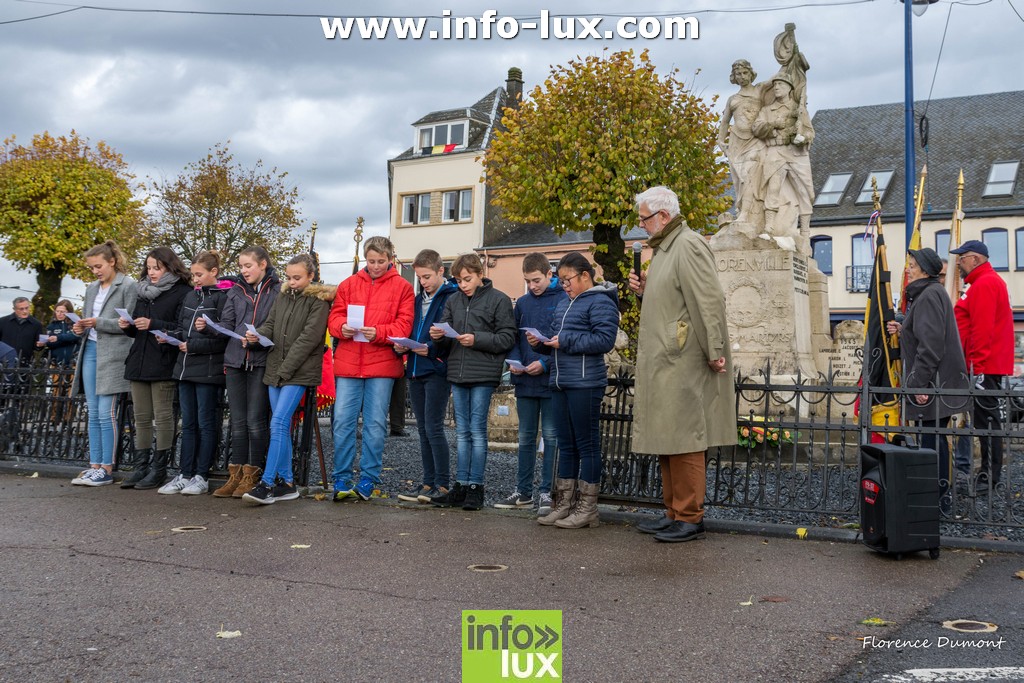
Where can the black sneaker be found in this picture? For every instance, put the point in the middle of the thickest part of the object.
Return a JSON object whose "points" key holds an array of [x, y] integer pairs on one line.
{"points": [[474, 497], [450, 499], [260, 494], [427, 496], [284, 491], [414, 494]]}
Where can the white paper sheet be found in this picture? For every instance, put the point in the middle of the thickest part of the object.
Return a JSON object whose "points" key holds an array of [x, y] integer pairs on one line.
{"points": [[263, 340], [515, 365], [408, 343], [165, 337], [447, 329], [73, 317], [125, 315], [357, 319], [220, 329], [536, 333]]}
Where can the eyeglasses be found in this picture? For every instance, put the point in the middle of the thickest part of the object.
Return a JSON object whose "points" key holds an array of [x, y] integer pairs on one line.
{"points": [[566, 281], [644, 219]]}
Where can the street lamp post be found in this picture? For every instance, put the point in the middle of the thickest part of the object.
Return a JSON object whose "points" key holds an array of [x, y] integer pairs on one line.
{"points": [[910, 8]]}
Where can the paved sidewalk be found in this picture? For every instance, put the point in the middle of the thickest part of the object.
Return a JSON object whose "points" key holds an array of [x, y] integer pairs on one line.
{"points": [[97, 587]]}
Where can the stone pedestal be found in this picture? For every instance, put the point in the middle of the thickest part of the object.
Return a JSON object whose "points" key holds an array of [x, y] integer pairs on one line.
{"points": [[768, 302]]}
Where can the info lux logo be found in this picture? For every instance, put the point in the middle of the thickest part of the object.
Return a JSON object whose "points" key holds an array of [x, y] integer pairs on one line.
{"points": [[506, 645]]}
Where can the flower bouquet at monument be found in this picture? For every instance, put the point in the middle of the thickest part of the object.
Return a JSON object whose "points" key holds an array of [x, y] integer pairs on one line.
{"points": [[750, 434]]}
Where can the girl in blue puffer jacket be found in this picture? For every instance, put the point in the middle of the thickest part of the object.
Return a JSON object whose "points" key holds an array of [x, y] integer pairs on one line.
{"points": [[585, 327]]}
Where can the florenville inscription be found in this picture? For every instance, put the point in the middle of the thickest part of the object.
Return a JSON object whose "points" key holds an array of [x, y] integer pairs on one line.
{"points": [[755, 263]]}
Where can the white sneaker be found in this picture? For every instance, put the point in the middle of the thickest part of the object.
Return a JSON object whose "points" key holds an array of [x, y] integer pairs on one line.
{"points": [[82, 479], [174, 485], [196, 486]]}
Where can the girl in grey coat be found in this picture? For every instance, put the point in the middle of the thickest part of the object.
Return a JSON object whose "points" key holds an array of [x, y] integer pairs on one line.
{"points": [[100, 368]]}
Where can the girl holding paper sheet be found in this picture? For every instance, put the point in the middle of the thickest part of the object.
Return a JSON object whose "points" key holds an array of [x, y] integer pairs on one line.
{"points": [[98, 371], [61, 341], [296, 325], [200, 374], [162, 287]]}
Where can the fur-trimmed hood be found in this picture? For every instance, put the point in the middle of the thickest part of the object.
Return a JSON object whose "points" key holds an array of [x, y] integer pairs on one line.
{"points": [[313, 289]]}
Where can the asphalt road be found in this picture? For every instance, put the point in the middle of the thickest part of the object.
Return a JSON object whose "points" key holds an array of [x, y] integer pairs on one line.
{"points": [[97, 587]]}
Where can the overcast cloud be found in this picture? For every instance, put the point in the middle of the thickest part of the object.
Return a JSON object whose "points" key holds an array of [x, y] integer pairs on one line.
{"points": [[163, 88]]}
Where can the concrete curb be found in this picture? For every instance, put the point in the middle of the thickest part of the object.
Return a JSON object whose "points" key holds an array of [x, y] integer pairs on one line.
{"points": [[718, 526]]}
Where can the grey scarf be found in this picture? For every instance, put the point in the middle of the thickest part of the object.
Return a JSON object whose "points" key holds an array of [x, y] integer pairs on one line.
{"points": [[150, 291]]}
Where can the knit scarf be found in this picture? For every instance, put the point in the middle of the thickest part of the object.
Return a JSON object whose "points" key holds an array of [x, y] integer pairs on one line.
{"points": [[673, 225], [150, 291]]}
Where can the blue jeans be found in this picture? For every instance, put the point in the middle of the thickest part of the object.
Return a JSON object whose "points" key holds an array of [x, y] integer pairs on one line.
{"points": [[198, 427], [429, 397], [102, 416], [472, 404], [534, 411], [283, 401], [371, 397], [577, 420]]}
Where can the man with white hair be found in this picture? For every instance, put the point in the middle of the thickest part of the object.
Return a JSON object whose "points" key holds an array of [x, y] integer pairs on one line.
{"points": [[21, 330], [685, 398]]}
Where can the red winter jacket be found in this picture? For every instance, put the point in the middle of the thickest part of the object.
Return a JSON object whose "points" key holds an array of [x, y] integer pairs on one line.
{"points": [[389, 309], [985, 322]]}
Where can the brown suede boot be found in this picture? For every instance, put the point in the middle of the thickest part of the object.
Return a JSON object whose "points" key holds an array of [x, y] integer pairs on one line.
{"points": [[250, 477], [234, 479], [565, 499], [585, 513]]}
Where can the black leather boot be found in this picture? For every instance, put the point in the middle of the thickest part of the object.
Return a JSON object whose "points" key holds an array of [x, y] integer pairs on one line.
{"points": [[157, 471], [140, 466]]}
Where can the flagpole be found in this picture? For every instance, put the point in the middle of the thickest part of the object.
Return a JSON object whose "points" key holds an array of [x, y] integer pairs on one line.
{"points": [[952, 271]]}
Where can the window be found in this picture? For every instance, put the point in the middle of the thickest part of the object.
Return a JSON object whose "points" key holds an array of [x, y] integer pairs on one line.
{"points": [[882, 178], [832, 191], [821, 252], [1001, 179], [457, 206], [858, 276], [942, 243], [1019, 233], [997, 242], [441, 134], [415, 209]]}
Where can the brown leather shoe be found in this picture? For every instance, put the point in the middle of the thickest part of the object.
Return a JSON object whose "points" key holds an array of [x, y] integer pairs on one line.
{"points": [[250, 477], [234, 479]]}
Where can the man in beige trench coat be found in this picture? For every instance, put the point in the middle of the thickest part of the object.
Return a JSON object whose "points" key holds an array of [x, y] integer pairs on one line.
{"points": [[685, 398]]}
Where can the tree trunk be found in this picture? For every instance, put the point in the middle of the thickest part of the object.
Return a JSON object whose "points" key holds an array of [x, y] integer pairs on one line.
{"points": [[613, 260], [48, 283]]}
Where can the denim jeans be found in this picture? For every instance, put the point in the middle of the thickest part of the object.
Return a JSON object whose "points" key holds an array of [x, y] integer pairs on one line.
{"points": [[370, 397], [102, 415], [964, 451], [534, 411], [284, 401], [199, 427], [472, 403], [249, 412], [429, 397], [577, 422]]}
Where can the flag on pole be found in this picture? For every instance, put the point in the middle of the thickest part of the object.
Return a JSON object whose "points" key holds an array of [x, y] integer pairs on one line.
{"points": [[881, 349]]}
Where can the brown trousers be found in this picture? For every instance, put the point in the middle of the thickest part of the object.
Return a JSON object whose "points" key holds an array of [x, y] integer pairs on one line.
{"points": [[683, 486]]}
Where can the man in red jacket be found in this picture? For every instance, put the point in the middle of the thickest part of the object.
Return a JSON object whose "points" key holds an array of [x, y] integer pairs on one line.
{"points": [[985, 322]]}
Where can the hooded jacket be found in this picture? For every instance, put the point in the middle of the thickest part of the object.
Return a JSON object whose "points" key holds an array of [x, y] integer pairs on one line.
{"points": [[418, 367], [488, 316], [586, 328], [247, 304], [537, 312], [203, 363], [388, 303], [297, 324], [149, 360], [62, 351], [985, 321]]}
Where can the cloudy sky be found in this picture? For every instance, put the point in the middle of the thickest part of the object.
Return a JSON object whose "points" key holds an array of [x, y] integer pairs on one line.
{"points": [[164, 84]]}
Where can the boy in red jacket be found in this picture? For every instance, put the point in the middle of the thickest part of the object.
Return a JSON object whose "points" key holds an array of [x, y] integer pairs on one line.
{"points": [[370, 306]]}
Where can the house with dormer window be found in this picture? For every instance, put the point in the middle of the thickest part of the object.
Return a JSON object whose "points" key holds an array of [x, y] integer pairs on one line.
{"points": [[981, 134]]}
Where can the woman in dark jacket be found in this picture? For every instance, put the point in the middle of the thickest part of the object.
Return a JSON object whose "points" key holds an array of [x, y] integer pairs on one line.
{"points": [[248, 302], [150, 364], [61, 342], [585, 328], [931, 353], [482, 315], [200, 375], [297, 328]]}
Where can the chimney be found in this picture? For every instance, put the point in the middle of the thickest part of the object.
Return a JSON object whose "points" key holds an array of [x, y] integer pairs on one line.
{"points": [[514, 86]]}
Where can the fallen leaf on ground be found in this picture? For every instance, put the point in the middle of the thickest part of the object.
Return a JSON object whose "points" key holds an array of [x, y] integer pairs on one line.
{"points": [[1020, 574], [993, 537], [834, 637], [875, 621], [749, 602], [801, 533], [774, 598], [228, 634], [320, 496], [34, 475], [301, 546]]}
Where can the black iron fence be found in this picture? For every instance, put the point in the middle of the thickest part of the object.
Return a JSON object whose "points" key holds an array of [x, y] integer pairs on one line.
{"points": [[798, 449]]}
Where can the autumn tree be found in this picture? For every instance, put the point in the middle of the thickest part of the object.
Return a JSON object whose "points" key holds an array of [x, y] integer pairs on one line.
{"points": [[58, 197], [218, 204], [601, 130]]}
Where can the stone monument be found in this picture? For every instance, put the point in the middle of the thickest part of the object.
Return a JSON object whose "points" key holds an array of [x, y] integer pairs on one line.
{"points": [[776, 297]]}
